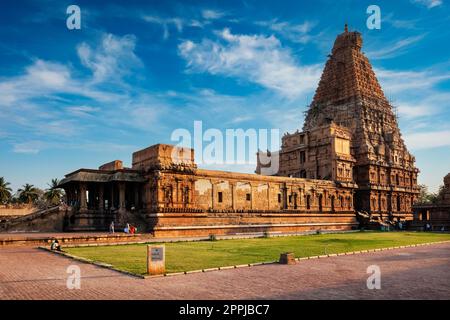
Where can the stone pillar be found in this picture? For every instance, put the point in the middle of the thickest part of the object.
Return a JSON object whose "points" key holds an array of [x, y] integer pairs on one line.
{"points": [[284, 194], [68, 192], [112, 198], [101, 204], [233, 195], [212, 194], [146, 196], [176, 196], [192, 198], [121, 196], [251, 196], [136, 196], [155, 194], [82, 197]]}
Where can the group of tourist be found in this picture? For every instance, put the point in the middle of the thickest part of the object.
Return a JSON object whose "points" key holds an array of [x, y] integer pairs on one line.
{"points": [[128, 228]]}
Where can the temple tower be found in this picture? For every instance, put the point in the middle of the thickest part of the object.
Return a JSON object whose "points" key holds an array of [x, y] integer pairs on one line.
{"points": [[351, 136]]}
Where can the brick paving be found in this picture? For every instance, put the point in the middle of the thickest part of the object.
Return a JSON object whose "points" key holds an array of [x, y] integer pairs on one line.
{"points": [[409, 273]]}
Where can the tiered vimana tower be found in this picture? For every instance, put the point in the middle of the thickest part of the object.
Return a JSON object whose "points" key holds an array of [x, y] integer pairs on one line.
{"points": [[349, 99]]}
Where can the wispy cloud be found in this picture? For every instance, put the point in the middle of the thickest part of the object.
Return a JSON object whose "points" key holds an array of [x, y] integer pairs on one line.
{"points": [[256, 58], [199, 20], [211, 14], [416, 93], [48, 100], [82, 111], [298, 33], [113, 58], [33, 147], [30, 147], [166, 23], [395, 49], [397, 81], [428, 3], [399, 23], [427, 140]]}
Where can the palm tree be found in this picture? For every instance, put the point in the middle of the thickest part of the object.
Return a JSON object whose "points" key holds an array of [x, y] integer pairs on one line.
{"points": [[5, 191], [28, 193], [54, 194]]}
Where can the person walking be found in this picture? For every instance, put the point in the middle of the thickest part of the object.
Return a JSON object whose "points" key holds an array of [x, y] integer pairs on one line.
{"points": [[111, 227]]}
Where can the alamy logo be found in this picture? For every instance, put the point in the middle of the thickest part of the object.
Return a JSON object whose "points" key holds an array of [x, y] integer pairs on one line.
{"points": [[74, 278], [374, 280], [231, 146], [374, 20], [74, 20]]}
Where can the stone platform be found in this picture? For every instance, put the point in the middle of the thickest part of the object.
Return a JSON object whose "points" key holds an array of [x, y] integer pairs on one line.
{"points": [[232, 223], [70, 239], [38, 239]]}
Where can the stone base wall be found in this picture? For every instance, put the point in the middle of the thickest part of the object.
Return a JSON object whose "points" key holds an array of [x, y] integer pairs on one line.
{"points": [[204, 224], [88, 222], [49, 220], [16, 212]]}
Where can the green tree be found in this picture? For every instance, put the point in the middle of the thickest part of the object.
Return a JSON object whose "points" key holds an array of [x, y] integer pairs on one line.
{"points": [[54, 194], [440, 193], [5, 191], [426, 197], [28, 193]]}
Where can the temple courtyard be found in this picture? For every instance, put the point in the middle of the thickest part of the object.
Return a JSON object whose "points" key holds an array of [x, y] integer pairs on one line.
{"points": [[406, 273], [182, 256]]}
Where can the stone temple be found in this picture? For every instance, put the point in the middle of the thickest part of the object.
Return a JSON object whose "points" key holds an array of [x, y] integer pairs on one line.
{"points": [[351, 134], [349, 166], [436, 215]]}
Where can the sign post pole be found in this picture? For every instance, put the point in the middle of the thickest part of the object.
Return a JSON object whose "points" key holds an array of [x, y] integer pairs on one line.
{"points": [[156, 259]]}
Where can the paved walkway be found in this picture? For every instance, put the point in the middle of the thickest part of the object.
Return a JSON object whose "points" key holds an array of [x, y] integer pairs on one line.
{"points": [[410, 273]]}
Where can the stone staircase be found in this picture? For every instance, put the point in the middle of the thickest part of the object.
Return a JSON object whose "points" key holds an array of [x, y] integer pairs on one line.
{"points": [[50, 219], [374, 222]]}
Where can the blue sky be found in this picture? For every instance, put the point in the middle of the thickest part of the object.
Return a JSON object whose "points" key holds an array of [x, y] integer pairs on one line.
{"points": [[137, 70]]}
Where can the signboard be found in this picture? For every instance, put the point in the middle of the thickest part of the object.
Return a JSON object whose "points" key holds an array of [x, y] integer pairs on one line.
{"points": [[156, 259], [157, 253]]}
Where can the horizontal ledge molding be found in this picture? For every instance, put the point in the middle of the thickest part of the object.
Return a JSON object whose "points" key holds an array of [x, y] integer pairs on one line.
{"points": [[235, 226]]}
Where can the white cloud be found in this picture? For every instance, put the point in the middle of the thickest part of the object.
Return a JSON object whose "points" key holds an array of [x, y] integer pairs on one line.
{"points": [[113, 58], [31, 147], [398, 23], [82, 111], [40, 101], [240, 119], [210, 14], [412, 110], [256, 58], [298, 33], [168, 23], [414, 92], [428, 3], [427, 140], [40, 78], [394, 49], [48, 74], [397, 81]]}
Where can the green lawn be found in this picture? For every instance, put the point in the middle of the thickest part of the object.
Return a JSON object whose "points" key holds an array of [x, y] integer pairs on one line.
{"points": [[185, 256]]}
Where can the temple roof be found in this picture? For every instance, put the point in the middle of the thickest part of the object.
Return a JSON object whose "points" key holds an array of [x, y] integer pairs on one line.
{"points": [[90, 175], [347, 73]]}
